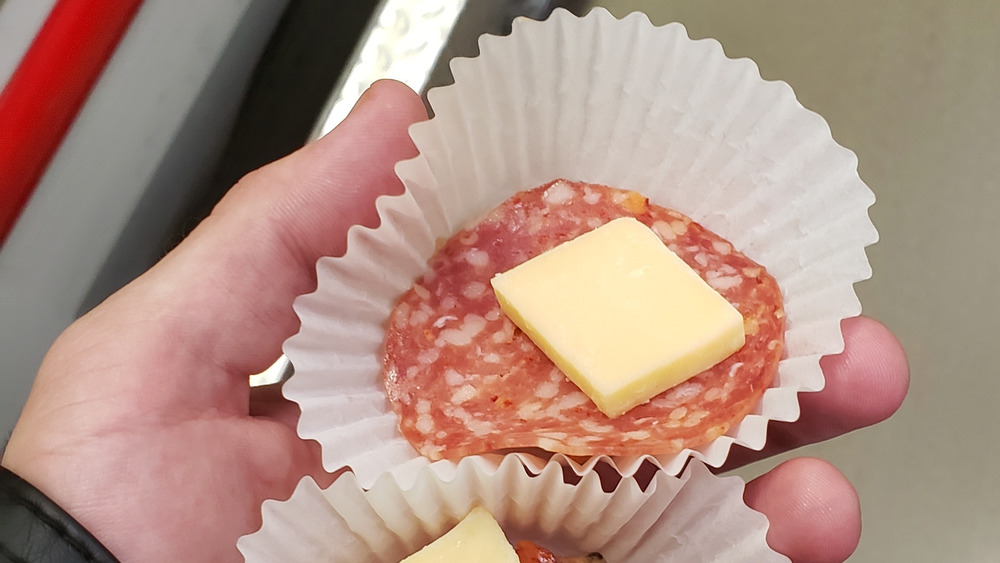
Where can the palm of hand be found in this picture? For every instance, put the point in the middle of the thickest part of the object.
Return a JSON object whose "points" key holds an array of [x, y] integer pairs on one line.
{"points": [[154, 450]]}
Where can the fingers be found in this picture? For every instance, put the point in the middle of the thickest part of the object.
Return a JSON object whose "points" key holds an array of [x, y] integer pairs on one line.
{"points": [[223, 297], [864, 385], [813, 510]]}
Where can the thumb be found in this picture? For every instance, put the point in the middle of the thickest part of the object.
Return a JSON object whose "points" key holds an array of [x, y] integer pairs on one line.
{"points": [[237, 274], [220, 303]]}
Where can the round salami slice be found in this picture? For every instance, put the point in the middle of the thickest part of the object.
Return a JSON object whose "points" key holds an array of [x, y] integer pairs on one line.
{"points": [[464, 380]]}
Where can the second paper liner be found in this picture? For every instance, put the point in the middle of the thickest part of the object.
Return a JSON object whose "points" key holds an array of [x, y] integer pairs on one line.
{"points": [[608, 101], [694, 517]]}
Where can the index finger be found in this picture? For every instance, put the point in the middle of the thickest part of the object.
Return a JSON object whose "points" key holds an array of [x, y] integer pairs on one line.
{"points": [[865, 384]]}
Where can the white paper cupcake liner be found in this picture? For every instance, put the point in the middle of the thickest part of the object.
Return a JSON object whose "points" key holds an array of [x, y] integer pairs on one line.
{"points": [[600, 100], [695, 517]]}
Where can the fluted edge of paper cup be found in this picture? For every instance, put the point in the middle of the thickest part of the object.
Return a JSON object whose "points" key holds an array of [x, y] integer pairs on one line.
{"points": [[694, 517]]}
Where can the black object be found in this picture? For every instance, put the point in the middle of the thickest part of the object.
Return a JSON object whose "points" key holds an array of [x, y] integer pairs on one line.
{"points": [[298, 69], [34, 529], [310, 49]]}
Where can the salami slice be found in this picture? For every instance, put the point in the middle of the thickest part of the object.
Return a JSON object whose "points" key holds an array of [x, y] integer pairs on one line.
{"points": [[464, 380]]}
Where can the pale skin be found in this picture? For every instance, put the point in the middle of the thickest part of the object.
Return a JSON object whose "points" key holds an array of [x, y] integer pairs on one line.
{"points": [[142, 425]]}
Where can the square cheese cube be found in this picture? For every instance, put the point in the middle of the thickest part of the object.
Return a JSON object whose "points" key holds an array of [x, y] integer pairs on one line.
{"points": [[620, 314], [477, 537]]}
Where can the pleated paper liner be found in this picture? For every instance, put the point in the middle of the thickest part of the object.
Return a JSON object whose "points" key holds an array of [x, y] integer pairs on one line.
{"points": [[694, 517], [615, 102]]}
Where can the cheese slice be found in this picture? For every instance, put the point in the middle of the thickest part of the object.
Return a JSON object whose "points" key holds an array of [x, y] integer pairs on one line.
{"points": [[620, 314], [477, 537]]}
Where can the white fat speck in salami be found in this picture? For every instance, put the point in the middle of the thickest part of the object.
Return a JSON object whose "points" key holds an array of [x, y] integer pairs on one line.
{"points": [[464, 380]]}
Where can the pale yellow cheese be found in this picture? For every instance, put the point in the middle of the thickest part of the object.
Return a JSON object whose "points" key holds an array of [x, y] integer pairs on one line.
{"points": [[620, 314], [477, 537]]}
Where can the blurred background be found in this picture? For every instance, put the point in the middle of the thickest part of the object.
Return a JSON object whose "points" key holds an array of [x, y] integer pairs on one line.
{"points": [[193, 94]]}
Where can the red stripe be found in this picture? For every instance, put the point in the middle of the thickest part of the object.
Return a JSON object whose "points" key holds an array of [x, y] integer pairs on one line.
{"points": [[46, 91]]}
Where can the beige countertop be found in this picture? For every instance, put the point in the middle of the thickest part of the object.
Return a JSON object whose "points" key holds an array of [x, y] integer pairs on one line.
{"points": [[912, 87]]}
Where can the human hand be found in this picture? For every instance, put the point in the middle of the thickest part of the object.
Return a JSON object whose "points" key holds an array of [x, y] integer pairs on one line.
{"points": [[141, 422], [142, 425]]}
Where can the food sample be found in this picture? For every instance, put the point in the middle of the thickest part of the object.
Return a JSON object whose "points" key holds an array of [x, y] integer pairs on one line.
{"points": [[477, 537], [464, 380], [530, 552], [620, 314]]}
